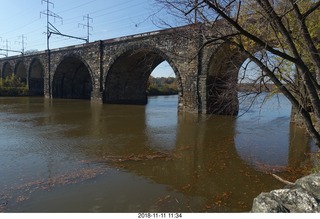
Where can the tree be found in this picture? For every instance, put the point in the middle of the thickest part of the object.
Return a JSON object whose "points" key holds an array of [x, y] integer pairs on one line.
{"points": [[285, 29], [13, 86], [162, 86]]}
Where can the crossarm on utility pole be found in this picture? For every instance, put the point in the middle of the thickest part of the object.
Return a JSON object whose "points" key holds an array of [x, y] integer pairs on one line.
{"points": [[65, 35]]}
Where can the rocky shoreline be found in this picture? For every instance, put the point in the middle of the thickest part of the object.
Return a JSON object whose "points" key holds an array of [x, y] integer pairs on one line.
{"points": [[303, 196]]}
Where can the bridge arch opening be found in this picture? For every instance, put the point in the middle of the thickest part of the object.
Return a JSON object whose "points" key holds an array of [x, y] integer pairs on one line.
{"points": [[7, 70], [36, 78], [252, 80], [222, 81], [240, 79], [272, 112], [21, 72], [230, 71], [72, 79], [129, 75], [162, 81]]}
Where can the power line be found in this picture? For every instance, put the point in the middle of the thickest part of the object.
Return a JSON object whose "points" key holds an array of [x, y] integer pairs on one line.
{"points": [[22, 26], [79, 6], [108, 11], [34, 34]]}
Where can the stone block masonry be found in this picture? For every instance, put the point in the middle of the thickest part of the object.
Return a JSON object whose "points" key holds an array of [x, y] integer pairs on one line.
{"points": [[116, 71]]}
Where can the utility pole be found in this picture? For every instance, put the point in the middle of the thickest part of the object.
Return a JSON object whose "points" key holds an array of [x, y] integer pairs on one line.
{"points": [[7, 48], [49, 14], [22, 43], [2, 54], [50, 27], [88, 18]]}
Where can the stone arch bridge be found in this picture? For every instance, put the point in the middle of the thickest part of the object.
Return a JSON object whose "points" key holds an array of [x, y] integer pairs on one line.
{"points": [[116, 70]]}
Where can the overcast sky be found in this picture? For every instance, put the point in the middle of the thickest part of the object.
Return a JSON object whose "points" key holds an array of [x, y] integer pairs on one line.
{"points": [[22, 19]]}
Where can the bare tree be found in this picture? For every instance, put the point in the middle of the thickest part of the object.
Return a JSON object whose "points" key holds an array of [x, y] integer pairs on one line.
{"points": [[284, 30]]}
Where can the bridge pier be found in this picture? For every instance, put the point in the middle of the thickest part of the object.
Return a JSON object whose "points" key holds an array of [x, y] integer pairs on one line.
{"points": [[96, 96], [47, 88]]}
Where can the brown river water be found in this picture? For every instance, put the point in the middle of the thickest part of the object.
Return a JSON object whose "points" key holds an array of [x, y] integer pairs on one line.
{"points": [[76, 156]]}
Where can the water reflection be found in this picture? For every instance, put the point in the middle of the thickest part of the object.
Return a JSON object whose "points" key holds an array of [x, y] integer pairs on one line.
{"points": [[265, 135], [141, 158]]}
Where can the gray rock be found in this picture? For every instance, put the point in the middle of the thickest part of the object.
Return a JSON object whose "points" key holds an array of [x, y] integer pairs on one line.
{"points": [[265, 203], [302, 197], [311, 183]]}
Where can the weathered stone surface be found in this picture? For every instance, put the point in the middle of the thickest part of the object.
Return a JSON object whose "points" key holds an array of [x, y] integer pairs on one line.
{"points": [[302, 197], [311, 183], [117, 70]]}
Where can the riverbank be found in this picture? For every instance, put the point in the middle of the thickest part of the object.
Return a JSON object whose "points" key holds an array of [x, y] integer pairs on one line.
{"points": [[256, 88], [14, 92]]}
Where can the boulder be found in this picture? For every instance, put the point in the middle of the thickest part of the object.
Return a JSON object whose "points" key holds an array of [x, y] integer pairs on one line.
{"points": [[301, 197]]}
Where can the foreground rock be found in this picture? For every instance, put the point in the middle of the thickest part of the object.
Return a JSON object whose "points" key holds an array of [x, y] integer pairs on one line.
{"points": [[301, 197]]}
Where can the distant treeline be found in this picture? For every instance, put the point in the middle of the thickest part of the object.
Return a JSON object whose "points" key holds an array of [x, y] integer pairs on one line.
{"points": [[162, 86], [249, 87]]}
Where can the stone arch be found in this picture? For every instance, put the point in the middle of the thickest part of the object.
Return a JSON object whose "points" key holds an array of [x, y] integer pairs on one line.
{"points": [[21, 71], [128, 72], [7, 70], [222, 79], [36, 78], [72, 79]]}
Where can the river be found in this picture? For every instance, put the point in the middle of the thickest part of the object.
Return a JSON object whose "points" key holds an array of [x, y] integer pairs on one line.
{"points": [[76, 156]]}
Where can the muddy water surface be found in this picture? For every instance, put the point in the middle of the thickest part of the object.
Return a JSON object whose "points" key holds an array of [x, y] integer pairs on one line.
{"points": [[75, 156]]}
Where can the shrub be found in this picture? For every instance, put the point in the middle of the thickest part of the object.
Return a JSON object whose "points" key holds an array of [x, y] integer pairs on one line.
{"points": [[13, 86]]}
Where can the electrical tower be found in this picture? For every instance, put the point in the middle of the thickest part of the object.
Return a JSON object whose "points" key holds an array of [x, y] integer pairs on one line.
{"points": [[51, 29], [23, 43], [88, 18], [7, 50]]}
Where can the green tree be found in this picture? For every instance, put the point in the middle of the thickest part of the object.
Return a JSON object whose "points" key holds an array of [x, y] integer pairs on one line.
{"points": [[162, 86], [12, 86], [286, 29]]}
